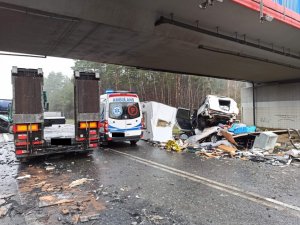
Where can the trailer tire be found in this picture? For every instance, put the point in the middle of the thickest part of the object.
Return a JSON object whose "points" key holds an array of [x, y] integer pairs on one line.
{"points": [[23, 160], [133, 142], [103, 143]]}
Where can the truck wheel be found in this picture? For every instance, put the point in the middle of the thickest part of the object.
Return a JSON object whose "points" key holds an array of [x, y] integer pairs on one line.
{"points": [[103, 143], [133, 142], [23, 160]]}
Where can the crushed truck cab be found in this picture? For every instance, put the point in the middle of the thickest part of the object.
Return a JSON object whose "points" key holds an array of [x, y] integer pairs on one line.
{"points": [[215, 110]]}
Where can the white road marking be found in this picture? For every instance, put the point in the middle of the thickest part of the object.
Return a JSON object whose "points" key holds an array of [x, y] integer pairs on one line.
{"points": [[269, 202]]}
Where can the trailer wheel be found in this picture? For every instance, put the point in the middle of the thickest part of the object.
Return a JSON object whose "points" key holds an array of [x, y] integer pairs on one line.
{"points": [[133, 142], [103, 143]]}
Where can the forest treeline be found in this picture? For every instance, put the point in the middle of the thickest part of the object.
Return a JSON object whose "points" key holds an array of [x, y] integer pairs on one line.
{"points": [[177, 90]]}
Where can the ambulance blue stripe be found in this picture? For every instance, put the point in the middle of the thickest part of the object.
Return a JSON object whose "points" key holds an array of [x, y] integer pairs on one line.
{"points": [[112, 128]]}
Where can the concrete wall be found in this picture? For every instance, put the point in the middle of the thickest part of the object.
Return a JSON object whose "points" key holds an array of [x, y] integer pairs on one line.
{"points": [[277, 105]]}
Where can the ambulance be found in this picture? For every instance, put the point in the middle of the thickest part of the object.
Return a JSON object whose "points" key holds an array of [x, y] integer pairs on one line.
{"points": [[120, 117]]}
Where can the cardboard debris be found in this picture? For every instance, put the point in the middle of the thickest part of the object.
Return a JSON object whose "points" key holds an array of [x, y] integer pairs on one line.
{"points": [[75, 218], [65, 211], [228, 136], [41, 184], [4, 210], [49, 200], [230, 150], [79, 182]]}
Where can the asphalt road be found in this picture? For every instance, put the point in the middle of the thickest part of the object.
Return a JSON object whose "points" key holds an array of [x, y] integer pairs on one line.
{"points": [[147, 185]]}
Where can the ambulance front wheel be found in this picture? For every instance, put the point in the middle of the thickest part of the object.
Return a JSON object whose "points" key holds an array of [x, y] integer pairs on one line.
{"points": [[133, 142]]}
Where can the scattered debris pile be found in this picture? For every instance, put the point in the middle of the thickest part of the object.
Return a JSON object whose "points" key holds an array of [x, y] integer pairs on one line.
{"points": [[239, 141], [61, 196]]}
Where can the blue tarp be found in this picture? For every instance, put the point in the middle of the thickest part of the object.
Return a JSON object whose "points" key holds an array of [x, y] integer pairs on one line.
{"points": [[237, 128]]}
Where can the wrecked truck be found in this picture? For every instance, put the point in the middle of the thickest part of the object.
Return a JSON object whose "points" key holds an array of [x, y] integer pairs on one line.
{"points": [[215, 110], [29, 122]]}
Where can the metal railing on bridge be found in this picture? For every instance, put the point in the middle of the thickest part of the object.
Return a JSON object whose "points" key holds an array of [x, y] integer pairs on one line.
{"points": [[287, 11]]}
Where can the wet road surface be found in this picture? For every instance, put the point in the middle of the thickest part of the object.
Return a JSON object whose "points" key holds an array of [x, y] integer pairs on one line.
{"points": [[142, 184]]}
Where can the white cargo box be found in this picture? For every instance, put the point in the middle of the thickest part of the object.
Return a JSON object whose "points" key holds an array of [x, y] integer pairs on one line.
{"points": [[265, 141], [159, 121]]}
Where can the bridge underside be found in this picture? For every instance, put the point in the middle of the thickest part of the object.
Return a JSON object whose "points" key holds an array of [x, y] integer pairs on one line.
{"points": [[227, 41]]}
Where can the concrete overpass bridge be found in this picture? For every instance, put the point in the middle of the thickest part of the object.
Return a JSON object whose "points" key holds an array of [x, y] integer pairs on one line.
{"points": [[225, 39]]}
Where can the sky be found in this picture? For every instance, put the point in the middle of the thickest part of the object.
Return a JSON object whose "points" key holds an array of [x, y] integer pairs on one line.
{"points": [[48, 65]]}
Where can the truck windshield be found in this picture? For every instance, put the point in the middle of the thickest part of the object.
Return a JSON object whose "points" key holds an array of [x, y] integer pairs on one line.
{"points": [[4, 105], [124, 110]]}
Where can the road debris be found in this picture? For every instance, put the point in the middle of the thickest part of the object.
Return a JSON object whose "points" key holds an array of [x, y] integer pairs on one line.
{"points": [[46, 201], [174, 145], [294, 152], [218, 142], [50, 168], [79, 182], [4, 210], [265, 141], [24, 177]]}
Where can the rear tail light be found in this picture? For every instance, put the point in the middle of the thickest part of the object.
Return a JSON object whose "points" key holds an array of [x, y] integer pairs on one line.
{"points": [[25, 127], [22, 136], [93, 132], [105, 126], [21, 152], [85, 125], [22, 143], [94, 145], [143, 123], [93, 124]]}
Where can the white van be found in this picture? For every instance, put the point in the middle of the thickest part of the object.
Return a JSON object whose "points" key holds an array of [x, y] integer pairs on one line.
{"points": [[120, 117]]}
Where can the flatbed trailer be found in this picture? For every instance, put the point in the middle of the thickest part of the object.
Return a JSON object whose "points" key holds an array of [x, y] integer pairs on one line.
{"points": [[28, 115]]}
